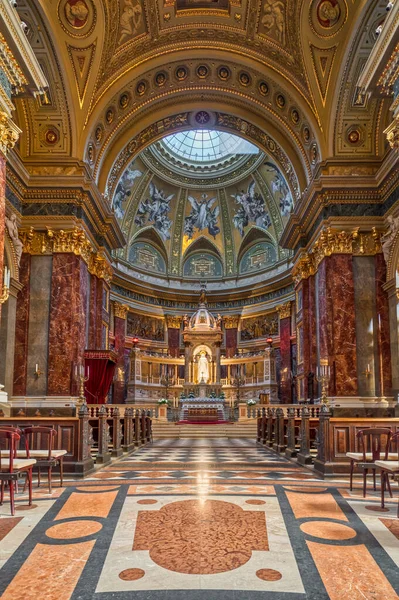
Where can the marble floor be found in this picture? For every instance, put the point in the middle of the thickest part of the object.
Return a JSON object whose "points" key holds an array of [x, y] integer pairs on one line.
{"points": [[200, 520]]}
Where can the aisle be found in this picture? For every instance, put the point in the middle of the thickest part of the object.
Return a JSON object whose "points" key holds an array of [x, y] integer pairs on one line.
{"points": [[200, 520]]}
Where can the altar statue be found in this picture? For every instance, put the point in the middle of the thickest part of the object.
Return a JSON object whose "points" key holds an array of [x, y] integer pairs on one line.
{"points": [[203, 368]]}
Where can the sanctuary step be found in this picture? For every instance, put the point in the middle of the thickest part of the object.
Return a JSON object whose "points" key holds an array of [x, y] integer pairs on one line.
{"points": [[229, 430]]}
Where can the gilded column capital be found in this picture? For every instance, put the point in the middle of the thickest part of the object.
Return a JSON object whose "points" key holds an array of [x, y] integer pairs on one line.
{"points": [[284, 310], [173, 322], [120, 310], [231, 321], [73, 241], [334, 241], [392, 133], [9, 133]]}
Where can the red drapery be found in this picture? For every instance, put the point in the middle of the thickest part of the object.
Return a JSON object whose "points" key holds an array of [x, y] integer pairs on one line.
{"points": [[99, 369]]}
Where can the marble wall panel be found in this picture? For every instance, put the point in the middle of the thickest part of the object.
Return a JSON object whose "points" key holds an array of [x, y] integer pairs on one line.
{"points": [[21, 328], [384, 341], [231, 341], [394, 338], [366, 325], [67, 334], [174, 341], [285, 352], [2, 215], [120, 338], [38, 330], [7, 343]]}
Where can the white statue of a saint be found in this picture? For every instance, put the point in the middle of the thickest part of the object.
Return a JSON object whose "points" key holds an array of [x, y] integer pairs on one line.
{"points": [[203, 368]]}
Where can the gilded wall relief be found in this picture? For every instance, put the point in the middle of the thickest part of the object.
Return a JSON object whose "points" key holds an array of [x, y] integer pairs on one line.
{"points": [[251, 210], [272, 20], [259, 327], [326, 17], [145, 327], [258, 257], [77, 17], [155, 210]]}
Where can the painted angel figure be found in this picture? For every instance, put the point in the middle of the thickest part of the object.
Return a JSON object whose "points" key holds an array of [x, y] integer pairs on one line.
{"points": [[202, 216], [130, 19], [123, 191], [155, 210], [273, 18], [252, 209]]}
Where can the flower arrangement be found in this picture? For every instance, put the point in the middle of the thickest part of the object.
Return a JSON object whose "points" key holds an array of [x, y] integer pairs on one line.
{"points": [[222, 396], [212, 395], [183, 396], [251, 402], [191, 395], [163, 401]]}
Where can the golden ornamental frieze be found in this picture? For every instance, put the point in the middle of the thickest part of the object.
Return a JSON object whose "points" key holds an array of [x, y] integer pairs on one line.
{"points": [[72, 241], [333, 241]]}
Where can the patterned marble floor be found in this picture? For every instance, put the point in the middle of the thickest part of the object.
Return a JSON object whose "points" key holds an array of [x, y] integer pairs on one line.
{"points": [[200, 520]]}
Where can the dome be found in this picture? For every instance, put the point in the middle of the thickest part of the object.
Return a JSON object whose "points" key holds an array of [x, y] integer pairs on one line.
{"points": [[202, 320], [202, 205]]}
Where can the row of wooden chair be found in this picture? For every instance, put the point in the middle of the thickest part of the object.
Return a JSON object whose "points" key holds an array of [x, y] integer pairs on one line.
{"points": [[16, 462]]}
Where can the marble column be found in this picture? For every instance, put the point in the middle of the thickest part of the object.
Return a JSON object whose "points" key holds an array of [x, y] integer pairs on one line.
{"points": [[231, 334], [68, 315], [99, 293], [393, 299], [187, 369], [217, 357], [284, 311], [306, 333], [383, 335], [120, 314], [173, 325], [22, 328], [336, 322], [7, 337]]}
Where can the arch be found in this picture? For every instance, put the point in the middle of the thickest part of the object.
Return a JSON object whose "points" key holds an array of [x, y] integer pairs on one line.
{"points": [[202, 244], [253, 236], [150, 236]]}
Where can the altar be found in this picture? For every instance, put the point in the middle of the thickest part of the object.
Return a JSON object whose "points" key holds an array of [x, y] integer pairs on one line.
{"points": [[202, 410]]}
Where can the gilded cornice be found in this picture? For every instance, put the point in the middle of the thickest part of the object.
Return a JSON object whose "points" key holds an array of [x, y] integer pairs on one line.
{"points": [[333, 241], [284, 310], [231, 321], [120, 310], [72, 241], [9, 133], [173, 322]]}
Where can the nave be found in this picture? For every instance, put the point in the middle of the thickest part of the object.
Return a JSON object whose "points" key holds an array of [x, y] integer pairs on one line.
{"points": [[222, 519]]}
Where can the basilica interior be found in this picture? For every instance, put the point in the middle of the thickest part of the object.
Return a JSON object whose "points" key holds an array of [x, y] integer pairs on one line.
{"points": [[199, 299]]}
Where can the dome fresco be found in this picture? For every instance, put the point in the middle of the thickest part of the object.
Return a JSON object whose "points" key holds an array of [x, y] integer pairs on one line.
{"points": [[181, 225]]}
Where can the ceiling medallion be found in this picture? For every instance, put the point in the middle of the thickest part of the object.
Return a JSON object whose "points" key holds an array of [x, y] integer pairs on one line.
{"points": [[181, 73], [295, 118], [109, 116], [141, 88], [354, 136], [124, 100], [202, 71], [327, 16], [280, 100], [90, 153], [98, 134], [51, 136], [314, 154], [202, 117], [306, 134], [223, 73], [244, 79], [77, 17], [160, 78], [263, 88]]}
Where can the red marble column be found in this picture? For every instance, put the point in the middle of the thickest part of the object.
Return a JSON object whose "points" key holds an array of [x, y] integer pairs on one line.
{"points": [[120, 341], [285, 352], [173, 341], [2, 216], [383, 339], [336, 324], [67, 328], [98, 314], [231, 341], [22, 328], [306, 319]]}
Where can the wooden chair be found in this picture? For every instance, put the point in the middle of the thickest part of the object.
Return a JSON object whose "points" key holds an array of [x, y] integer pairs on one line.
{"points": [[389, 467], [45, 457], [12, 467], [370, 446]]}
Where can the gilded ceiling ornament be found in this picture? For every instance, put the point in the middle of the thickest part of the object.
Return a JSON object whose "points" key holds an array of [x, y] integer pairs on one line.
{"points": [[77, 17], [353, 136], [160, 79], [141, 88], [280, 100], [223, 73], [314, 153], [109, 116], [131, 20], [202, 71], [90, 153], [284, 310], [98, 134], [272, 21], [263, 88], [202, 117], [51, 136], [181, 73], [244, 78], [120, 310], [306, 134], [295, 118], [392, 133], [9, 133], [124, 101]]}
